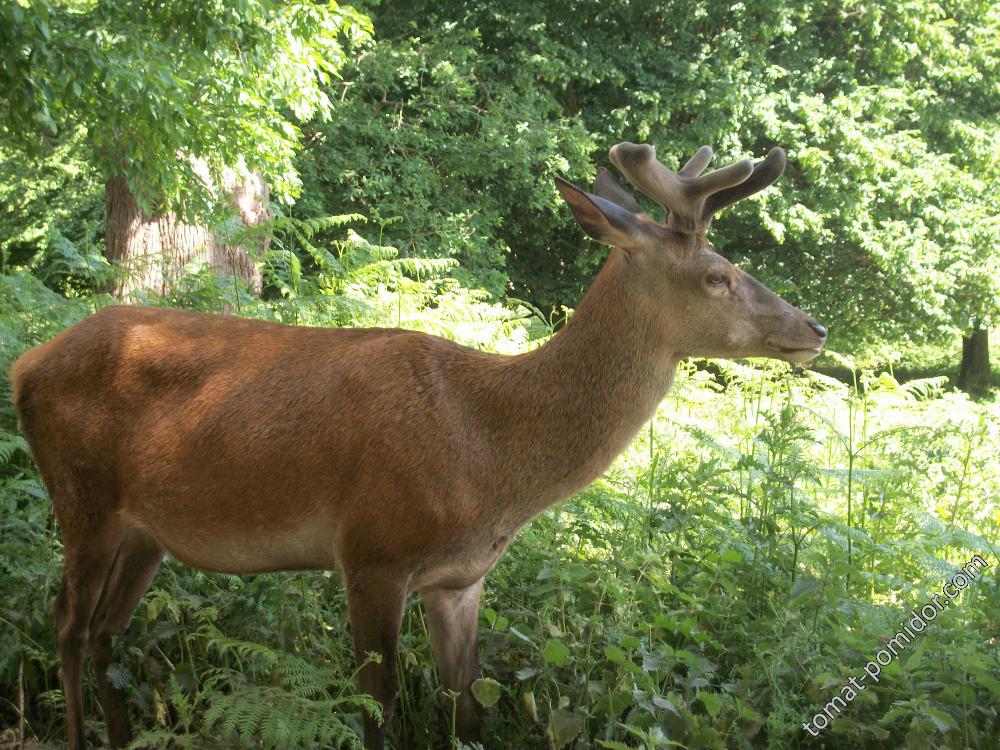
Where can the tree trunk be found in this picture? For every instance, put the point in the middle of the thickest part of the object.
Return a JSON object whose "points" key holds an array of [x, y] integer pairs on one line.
{"points": [[154, 249], [974, 375]]}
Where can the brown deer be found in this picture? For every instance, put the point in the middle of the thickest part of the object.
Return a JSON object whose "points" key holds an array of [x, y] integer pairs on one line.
{"points": [[404, 460]]}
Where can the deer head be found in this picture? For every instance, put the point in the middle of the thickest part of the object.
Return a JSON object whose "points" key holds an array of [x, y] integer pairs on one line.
{"points": [[705, 306]]}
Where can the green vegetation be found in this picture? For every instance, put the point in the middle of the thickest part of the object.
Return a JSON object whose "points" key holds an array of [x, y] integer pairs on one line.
{"points": [[716, 588], [765, 533], [460, 114], [148, 81]]}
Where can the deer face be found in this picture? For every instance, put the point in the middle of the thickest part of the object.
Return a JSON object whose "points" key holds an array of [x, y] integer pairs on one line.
{"points": [[726, 312], [704, 305]]}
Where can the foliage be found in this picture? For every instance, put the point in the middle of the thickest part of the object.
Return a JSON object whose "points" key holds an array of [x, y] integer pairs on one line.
{"points": [[53, 202], [764, 535], [739, 563], [448, 127], [160, 89], [264, 685], [884, 227], [716, 589], [448, 163]]}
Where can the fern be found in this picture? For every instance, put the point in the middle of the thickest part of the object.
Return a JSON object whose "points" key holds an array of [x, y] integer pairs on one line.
{"points": [[925, 389], [151, 739], [309, 227], [418, 266], [305, 678], [9, 445], [274, 718]]}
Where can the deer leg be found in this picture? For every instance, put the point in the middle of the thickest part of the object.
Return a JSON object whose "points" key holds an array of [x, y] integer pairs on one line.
{"points": [[376, 605], [87, 559], [135, 566], [453, 621]]}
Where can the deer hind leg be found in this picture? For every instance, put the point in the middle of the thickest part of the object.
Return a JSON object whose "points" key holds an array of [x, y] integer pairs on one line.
{"points": [[88, 555], [135, 565], [453, 621], [376, 603]]}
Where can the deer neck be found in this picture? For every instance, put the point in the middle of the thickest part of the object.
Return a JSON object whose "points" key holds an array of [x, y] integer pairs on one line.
{"points": [[586, 393]]}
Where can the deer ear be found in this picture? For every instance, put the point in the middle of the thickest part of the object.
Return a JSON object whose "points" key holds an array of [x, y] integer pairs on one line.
{"points": [[603, 220]]}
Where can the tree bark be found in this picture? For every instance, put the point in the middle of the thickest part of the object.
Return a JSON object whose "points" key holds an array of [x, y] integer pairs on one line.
{"points": [[154, 249], [974, 375]]}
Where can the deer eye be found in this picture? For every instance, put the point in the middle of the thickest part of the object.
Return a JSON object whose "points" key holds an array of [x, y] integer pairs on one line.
{"points": [[716, 279]]}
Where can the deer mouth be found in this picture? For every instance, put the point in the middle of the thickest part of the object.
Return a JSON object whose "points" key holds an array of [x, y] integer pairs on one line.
{"points": [[793, 353]]}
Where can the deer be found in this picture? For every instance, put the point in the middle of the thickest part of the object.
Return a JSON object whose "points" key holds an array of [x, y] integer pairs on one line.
{"points": [[406, 461]]}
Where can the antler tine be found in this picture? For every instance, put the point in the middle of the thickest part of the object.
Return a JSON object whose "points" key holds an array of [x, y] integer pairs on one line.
{"points": [[606, 186], [697, 163], [638, 162], [690, 197], [764, 173]]}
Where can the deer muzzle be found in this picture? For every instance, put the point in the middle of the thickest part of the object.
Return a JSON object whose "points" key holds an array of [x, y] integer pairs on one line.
{"points": [[798, 350]]}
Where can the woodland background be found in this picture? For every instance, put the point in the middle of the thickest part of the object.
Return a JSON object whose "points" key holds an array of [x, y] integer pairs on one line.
{"points": [[392, 163]]}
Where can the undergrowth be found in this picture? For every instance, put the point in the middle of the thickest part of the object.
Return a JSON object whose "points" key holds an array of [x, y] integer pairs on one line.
{"points": [[748, 554]]}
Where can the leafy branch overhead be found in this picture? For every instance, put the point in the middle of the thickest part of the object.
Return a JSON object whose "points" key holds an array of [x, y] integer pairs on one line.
{"points": [[884, 224], [161, 88]]}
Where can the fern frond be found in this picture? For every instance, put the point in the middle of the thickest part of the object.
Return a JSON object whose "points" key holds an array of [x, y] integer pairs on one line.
{"points": [[158, 738], [274, 718], [10, 444], [925, 389], [418, 266]]}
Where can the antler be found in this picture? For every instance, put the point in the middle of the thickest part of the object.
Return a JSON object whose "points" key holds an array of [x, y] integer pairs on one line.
{"points": [[690, 197]]}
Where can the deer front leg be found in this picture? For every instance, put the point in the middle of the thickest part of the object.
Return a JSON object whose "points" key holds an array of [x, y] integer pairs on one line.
{"points": [[453, 620], [376, 603]]}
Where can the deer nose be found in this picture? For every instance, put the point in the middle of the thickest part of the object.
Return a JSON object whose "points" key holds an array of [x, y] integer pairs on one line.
{"points": [[819, 329]]}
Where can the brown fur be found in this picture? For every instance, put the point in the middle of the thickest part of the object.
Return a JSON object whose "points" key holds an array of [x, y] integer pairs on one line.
{"points": [[407, 461]]}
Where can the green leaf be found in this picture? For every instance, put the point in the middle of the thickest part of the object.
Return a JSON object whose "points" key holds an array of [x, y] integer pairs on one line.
{"points": [[804, 585], [986, 680], [711, 702], [942, 721], [917, 656], [487, 691], [615, 655], [564, 727], [556, 652], [745, 712], [667, 705]]}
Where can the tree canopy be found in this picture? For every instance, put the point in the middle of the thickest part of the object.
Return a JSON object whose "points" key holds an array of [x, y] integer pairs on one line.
{"points": [[161, 89], [460, 115], [452, 119]]}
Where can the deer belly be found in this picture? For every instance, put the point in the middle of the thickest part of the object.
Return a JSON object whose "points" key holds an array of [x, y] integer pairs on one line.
{"points": [[252, 546]]}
